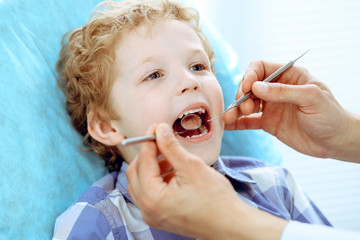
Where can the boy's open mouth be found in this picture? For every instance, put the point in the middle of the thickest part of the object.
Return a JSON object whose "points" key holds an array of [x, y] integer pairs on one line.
{"points": [[201, 131]]}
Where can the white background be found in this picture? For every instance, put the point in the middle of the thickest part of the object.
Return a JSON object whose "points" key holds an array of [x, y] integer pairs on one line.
{"points": [[281, 30]]}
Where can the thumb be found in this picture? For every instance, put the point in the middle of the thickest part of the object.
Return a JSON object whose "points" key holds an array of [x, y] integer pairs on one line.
{"points": [[169, 146], [284, 93]]}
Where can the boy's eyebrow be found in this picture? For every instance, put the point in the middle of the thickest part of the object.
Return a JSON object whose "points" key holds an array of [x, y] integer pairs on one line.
{"points": [[148, 59], [194, 51], [197, 51], [143, 61], [200, 52]]}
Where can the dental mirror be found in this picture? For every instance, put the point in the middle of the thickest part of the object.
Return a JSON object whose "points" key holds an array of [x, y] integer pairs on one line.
{"points": [[191, 122]]}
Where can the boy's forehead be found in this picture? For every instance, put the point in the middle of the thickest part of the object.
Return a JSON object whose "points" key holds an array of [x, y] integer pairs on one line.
{"points": [[150, 30], [143, 42]]}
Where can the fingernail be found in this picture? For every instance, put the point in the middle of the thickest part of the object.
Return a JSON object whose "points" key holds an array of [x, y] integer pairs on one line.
{"points": [[165, 130], [243, 78], [261, 86]]}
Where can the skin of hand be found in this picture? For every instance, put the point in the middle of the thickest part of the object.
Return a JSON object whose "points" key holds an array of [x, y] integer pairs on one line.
{"points": [[299, 110], [181, 194]]}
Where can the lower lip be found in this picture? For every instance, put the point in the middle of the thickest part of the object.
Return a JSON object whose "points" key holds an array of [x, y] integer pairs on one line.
{"points": [[197, 139]]}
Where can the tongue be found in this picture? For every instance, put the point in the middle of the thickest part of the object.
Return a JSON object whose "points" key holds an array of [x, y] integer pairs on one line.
{"points": [[191, 122]]}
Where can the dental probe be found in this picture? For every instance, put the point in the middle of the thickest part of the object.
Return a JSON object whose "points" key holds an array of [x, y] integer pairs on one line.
{"points": [[135, 140], [268, 79]]}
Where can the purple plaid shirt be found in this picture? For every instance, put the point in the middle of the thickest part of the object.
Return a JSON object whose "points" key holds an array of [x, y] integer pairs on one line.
{"points": [[106, 211]]}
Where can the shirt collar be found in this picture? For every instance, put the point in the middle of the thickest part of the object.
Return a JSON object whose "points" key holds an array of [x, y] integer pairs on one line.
{"points": [[122, 182], [219, 166]]}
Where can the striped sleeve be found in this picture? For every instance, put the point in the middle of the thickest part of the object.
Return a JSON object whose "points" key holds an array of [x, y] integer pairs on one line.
{"points": [[82, 221], [299, 205]]}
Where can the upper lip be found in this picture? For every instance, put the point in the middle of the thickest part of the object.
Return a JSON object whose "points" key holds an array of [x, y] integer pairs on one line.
{"points": [[193, 106], [196, 110]]}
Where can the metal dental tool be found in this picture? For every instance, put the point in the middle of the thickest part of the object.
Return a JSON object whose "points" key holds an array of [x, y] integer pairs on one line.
{"points": [[268, 79], [186, 126], [194, 123], [135, 140]]}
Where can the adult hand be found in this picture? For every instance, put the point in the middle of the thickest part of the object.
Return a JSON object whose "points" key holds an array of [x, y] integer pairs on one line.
{"points": [[181, 194], [299, 110]]}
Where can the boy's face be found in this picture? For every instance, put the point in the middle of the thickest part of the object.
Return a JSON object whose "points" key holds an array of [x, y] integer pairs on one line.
{"points": [[163, 73]]}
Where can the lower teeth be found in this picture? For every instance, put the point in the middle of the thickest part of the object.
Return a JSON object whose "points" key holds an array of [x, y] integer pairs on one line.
{"points": [[203, 130]]}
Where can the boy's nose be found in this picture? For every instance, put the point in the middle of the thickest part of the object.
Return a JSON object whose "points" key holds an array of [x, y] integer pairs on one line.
{"points": [[188, 83]]}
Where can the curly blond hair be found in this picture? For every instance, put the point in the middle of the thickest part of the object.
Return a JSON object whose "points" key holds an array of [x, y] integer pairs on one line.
{"points": [[86, 63]]}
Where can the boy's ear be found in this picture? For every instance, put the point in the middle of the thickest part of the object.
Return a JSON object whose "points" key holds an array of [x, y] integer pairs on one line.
{"points": [[104, 131]]}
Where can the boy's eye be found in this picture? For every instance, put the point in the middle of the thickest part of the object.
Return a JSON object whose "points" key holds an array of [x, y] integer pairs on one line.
{"points": [[153, 76], [198, 67]]}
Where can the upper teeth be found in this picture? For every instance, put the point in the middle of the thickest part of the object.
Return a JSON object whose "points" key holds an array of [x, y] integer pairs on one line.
{"points": [[201, 110]]}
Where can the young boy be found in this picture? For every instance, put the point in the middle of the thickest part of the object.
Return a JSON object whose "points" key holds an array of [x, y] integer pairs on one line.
{"points": [[134, 64]]}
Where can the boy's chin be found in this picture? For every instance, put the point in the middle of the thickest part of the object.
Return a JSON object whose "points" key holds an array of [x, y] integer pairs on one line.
{"points": [[209, 156], [211, 162], [208, 151]]}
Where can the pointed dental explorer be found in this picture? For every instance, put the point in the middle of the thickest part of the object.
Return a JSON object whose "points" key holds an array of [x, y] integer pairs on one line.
{"points": [[268, 79], [136, 140]]}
